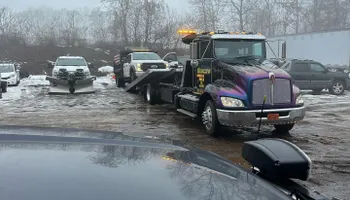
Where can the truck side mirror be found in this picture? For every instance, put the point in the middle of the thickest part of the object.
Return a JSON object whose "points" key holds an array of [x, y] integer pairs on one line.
{"points": [[284, 50], [49, 65], [91, 65]]}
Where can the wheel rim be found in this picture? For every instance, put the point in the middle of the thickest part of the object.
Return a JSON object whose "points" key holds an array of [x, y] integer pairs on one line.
{"points": [[148, 94], [338, 87], [208, 118]]}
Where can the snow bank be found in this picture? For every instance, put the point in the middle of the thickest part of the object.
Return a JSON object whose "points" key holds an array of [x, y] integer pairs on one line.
{"points": [[106, 69]]}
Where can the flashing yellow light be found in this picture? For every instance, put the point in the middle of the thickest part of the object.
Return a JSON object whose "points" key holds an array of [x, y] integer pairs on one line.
{"points": [[186, 32], [243, 33], [259, 34], [232, 33], [212, 33]]}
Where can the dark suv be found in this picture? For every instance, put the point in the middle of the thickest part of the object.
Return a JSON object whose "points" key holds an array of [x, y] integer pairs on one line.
{"points": [[312, 75]]}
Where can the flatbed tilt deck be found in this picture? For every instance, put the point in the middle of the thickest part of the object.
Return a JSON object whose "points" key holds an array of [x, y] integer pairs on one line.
{"points": [[226, 82]]}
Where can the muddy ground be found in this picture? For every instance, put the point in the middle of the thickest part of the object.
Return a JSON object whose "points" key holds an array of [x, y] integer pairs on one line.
{"points": [[324, 135]]}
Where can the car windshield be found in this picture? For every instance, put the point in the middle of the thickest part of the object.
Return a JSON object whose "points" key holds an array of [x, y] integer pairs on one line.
{"points": [[229, 49], [6, 68], [146, 56], [71, 62]]}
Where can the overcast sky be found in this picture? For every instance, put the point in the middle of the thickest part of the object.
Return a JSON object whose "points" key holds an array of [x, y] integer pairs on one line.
{"points": [[23, 4]]}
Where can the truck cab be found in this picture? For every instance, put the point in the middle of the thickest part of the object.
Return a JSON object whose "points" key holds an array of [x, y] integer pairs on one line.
{"points": [[233, 84]]}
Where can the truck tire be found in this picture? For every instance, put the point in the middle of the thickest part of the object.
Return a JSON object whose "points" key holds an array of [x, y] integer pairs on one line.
{"points": [[337, 88], [210, 119], [151, 95], [4, 87], [283, 128], [120, 82], [132, 76]]}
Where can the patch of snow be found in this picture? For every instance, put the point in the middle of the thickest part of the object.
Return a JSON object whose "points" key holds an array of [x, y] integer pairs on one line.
{"points": [[106, 69], [104, 61], [98, 49]]}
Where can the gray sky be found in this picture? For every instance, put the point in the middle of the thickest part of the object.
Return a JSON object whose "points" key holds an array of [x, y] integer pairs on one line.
{"points": [[23, 4]]}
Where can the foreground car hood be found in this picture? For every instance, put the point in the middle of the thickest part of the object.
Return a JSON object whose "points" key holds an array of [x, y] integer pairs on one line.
{"points": [[110, 166]]}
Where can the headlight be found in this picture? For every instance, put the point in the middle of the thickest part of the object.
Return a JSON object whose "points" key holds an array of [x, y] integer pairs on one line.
{"points": [[138, 67], [12, 75], [231, 102], [166, 65], [299, 100]]}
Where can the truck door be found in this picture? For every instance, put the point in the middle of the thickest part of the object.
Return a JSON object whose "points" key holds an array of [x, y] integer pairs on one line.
{"points": [[172, 60], [319, 76], [301, 74], [126, 66], [203, 74]]}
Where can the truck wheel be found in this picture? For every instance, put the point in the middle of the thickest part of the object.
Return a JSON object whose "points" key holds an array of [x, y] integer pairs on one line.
{"points": [[337, 88], [132, 76], [283, 128], [210, 119], [120, 82], [3, 86], [150, 95]]}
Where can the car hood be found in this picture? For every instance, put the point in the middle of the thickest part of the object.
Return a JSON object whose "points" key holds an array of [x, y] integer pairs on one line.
{"points": [[149, 61], [72, 68], [6, 74], [46, 164]]}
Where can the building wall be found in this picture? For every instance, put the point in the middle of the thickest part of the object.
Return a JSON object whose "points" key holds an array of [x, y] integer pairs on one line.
{"points": [[326, 47]]}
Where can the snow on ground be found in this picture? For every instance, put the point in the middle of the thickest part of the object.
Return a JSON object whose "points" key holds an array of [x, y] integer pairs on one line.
{"points": [[37, 84], [106, 69]]}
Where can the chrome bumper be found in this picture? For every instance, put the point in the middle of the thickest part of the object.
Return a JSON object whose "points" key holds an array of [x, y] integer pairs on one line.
{"points": [[252, 117]]}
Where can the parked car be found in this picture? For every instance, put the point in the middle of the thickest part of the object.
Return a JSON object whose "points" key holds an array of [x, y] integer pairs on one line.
{"points": [[10, 73], [312, 75]]}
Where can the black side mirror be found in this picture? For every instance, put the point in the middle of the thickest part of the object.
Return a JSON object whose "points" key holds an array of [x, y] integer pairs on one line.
{"points": [[91, 65], [169, 61], [49, 65]]}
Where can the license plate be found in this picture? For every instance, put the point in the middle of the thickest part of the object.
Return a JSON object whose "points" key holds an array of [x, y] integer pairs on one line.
{"points": [[273, 116]]}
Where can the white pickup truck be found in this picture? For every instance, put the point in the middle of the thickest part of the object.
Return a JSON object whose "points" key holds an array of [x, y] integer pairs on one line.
{"points": [[137, 63]]}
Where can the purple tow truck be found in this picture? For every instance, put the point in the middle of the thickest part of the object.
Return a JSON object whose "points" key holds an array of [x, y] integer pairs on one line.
{"points": [[227, 82]]}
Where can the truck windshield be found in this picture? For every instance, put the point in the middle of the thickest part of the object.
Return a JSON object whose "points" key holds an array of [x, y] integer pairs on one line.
{"points": [[70, 62], [228, 49], [146, 56], [7, 68]]}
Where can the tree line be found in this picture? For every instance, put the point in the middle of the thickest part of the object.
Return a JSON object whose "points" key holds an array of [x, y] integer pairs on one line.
{"points": [[153, 23]]}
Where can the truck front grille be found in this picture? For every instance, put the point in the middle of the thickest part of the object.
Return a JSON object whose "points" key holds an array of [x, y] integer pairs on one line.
{"points": [[146, 66], [278, 93]]}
